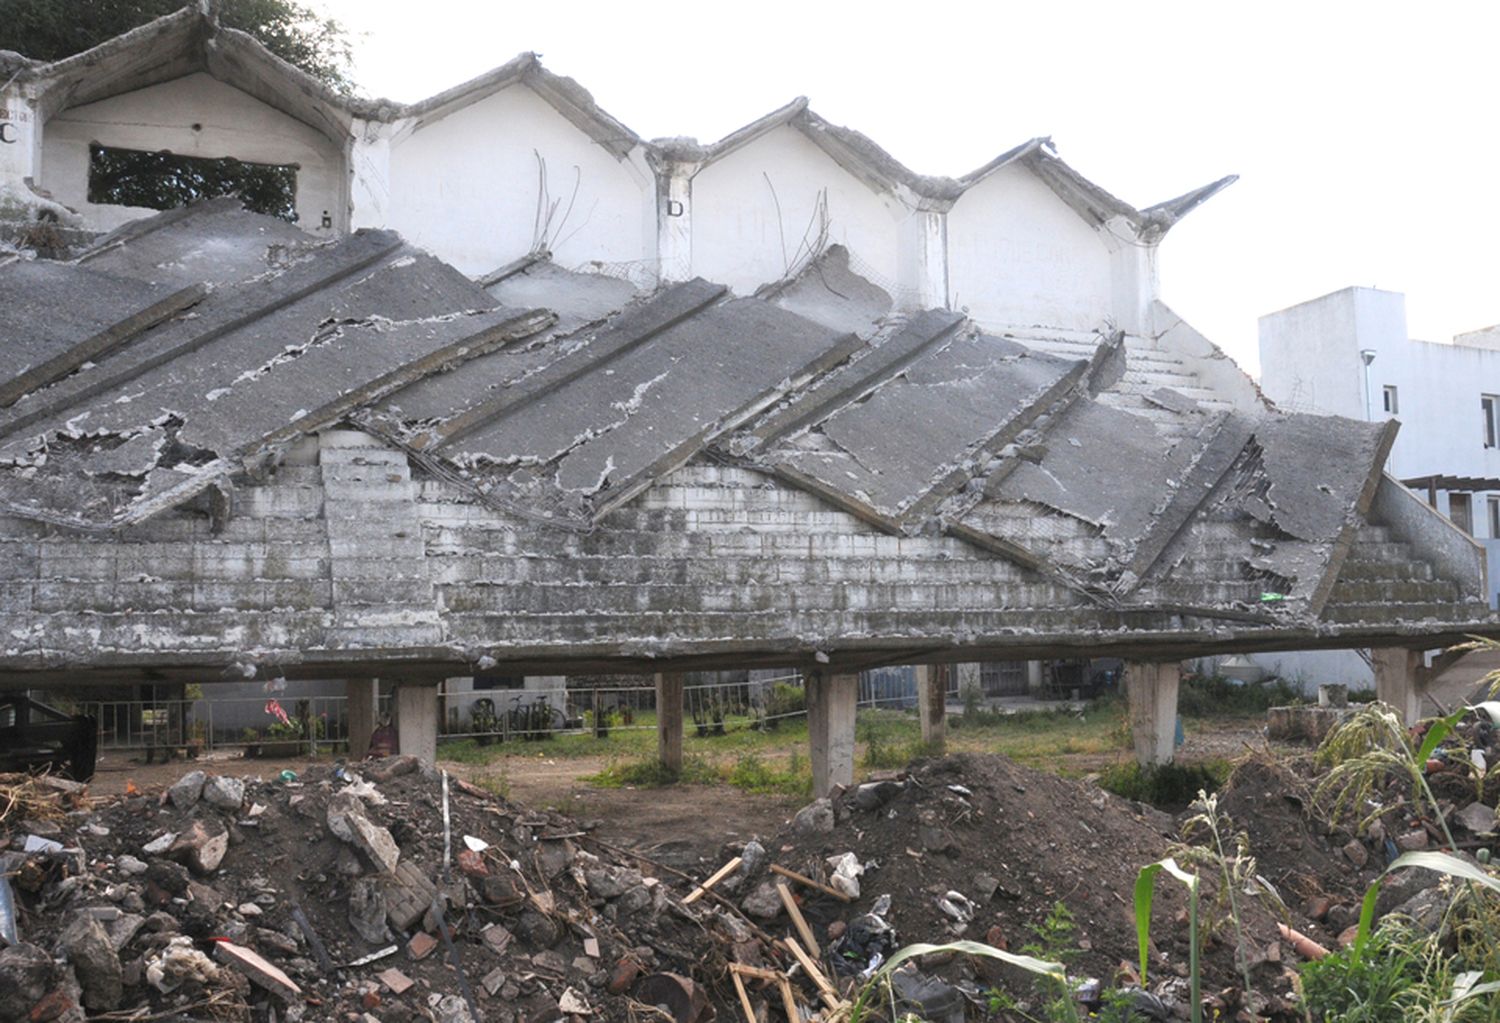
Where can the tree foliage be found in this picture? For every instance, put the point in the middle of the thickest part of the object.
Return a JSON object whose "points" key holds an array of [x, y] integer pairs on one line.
{"points": [[49, 30]]}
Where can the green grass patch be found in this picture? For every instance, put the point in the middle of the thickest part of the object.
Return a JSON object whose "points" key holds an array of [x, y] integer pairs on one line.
{"points": [[648, 773], [753, 773], [1168, 786]]}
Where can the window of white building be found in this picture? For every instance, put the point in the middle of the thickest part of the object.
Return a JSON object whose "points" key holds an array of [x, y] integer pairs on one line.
{"points": [[1490, 403], [1494, 506], [1388, 392]]}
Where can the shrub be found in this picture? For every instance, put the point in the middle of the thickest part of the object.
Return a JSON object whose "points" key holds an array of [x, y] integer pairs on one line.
{"points": [[1208, 696], [1167, 786]]}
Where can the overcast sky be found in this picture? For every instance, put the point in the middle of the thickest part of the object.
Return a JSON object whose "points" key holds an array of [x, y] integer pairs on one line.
{"points": [[1365, 134]]}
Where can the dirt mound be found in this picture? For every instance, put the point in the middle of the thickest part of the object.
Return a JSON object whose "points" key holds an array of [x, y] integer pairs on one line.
{"points": [[1012, 843]]}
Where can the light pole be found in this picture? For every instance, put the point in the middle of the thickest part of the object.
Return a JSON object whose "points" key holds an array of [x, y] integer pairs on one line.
{"points": [[1367, 356]]}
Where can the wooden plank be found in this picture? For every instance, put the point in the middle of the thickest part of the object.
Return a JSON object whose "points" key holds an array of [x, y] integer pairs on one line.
{"points": [[718, 875], [739, 988], [827, 990], [756, 972], [798, 920], [788, 999], [803, 879]]}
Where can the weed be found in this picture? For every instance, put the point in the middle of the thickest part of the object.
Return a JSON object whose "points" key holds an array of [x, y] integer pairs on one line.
{"points": [[1363, 986], [1212, 696], [753, 774], [496, 784], [650, 773], [1167, 786]]}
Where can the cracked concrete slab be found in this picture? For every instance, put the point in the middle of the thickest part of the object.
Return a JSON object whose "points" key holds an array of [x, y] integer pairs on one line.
{"points": [[888, 448], [215, 241], [620, 417]]}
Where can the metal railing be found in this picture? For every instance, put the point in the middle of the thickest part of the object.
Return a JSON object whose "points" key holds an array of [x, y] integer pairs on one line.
{"points": [[304, 724]]}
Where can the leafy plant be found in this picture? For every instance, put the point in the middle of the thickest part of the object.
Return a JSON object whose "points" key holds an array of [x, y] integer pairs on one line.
{"points": [[882, 978], [1145, 891], [1164, 785]]}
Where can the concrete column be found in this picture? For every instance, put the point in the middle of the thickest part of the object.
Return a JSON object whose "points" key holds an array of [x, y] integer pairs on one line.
{"points": [[1034, 677], [831, 700], [923, 260], [1152, 689], [669, 721], [362, 709], [417, 719], [674, 219], [932, 705], [1396, 679], [369, 175]]}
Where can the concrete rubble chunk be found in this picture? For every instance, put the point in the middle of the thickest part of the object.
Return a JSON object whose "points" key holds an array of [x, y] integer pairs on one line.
{"points": [[763, 903], [258, 969], [814, 818], [1478, 818], [347, 820], [88, 949], [26, 974], [368, 911], [202, 846], [187, 790], [225, 793]]}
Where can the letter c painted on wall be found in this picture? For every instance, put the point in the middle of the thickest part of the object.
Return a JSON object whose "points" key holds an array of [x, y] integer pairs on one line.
{"points": [[7, 132]]}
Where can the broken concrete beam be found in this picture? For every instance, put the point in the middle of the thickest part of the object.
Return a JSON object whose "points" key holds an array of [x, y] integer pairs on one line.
{"points": [[669, 722]]}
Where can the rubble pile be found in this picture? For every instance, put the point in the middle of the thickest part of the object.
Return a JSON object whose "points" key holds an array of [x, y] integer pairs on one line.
{"points": [[372, 893]]}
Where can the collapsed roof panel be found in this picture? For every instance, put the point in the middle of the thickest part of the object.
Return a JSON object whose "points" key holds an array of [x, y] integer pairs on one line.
{"points": [[216, 242], [1105, 466], [52, 309], [830, 292], [888, 447], [628, 418]]}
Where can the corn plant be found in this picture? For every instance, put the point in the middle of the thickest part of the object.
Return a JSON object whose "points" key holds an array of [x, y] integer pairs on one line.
{"points": [[1145, 888], [1371, 747]]}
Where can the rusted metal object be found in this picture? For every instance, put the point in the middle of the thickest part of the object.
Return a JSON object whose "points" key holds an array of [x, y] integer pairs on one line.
{"points": [[685, 1000]]}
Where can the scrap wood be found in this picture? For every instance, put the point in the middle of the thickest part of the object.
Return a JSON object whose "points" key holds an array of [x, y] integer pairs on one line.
{"points": [[788, 999], [798, 920], [1305, 946], [757, 972], [718, 875], [792, 875], [739, 988], [825, 987]]}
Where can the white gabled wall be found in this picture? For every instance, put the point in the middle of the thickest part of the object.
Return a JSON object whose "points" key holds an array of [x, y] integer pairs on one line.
{"points": [[756, 208], [466, 188], [1020, 256], [197, 115]]}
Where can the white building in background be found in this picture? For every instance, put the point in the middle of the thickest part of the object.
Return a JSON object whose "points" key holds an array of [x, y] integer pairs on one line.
{"points": [[1348, 353]]}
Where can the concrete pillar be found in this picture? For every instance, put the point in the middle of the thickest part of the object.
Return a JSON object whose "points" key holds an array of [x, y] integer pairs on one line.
{"points": [[1396, 679], [1035, 678], [417, 719], [674, 218], [669, 721], [362, 710], [932, 705], [1152, 693], [831, 700]]}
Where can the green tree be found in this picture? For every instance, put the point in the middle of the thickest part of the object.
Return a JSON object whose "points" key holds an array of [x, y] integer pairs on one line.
{"points": [[49, 30]]}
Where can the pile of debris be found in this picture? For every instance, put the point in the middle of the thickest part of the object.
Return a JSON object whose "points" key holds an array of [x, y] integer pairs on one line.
{"points": [[377, 892]]}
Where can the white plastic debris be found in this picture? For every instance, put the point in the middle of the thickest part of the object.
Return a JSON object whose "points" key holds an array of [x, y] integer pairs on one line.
{"points": [[957, 906], [178, 963], [846, 870], [478, 845], [36, 843]]}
